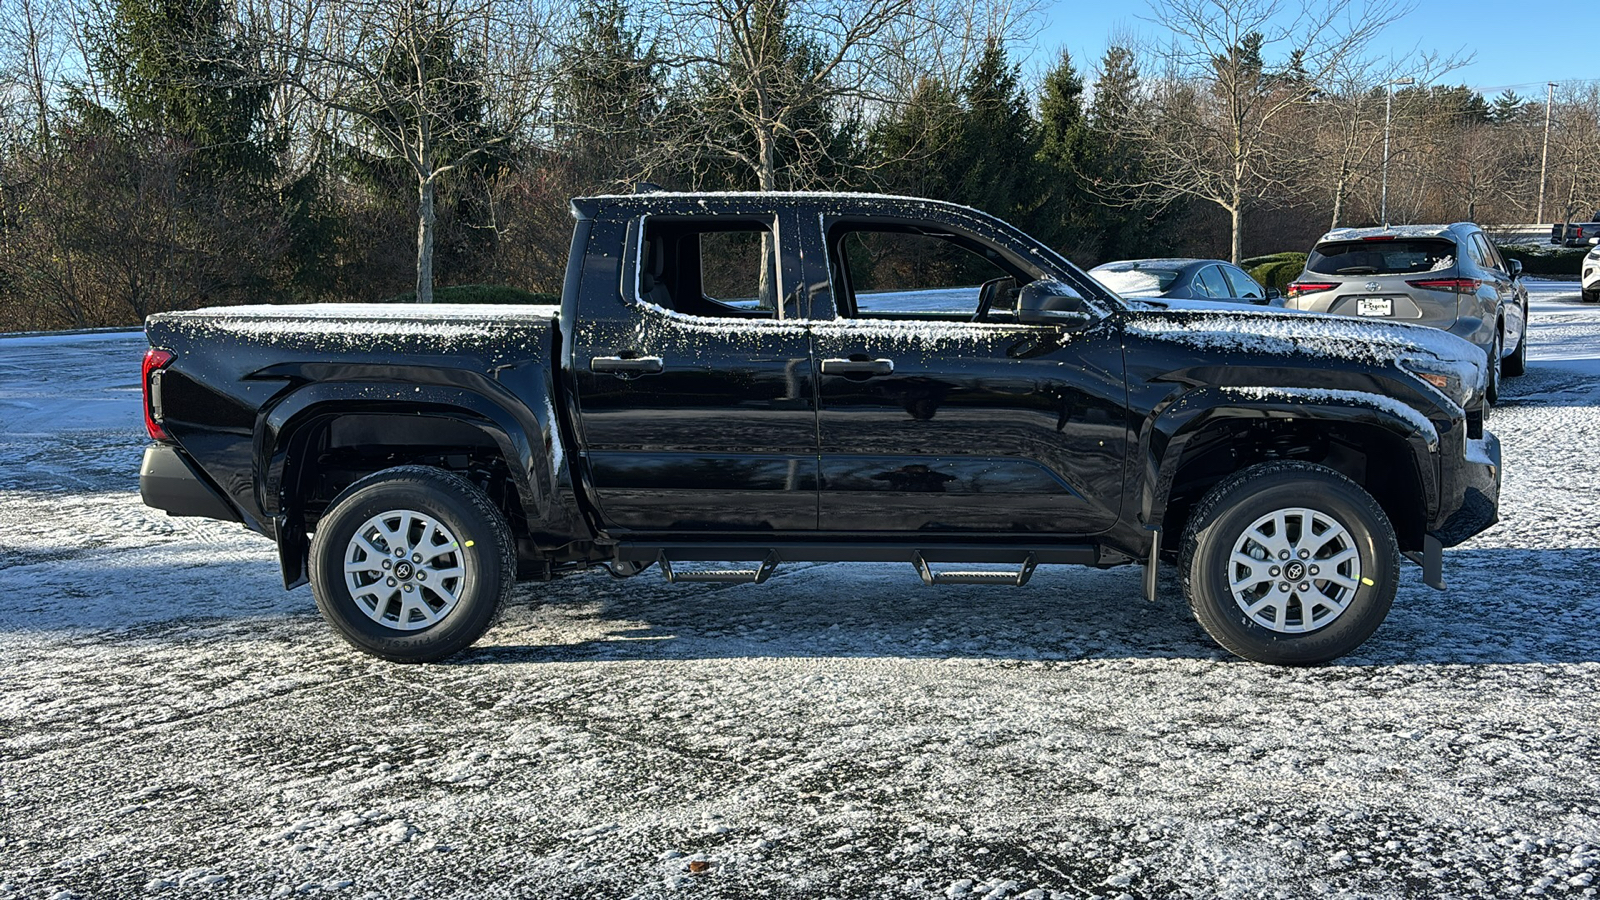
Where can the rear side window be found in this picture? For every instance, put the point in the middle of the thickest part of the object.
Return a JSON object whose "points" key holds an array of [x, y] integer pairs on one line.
{"points": [[1209, 283], [1397, 257], [1243, 285]]}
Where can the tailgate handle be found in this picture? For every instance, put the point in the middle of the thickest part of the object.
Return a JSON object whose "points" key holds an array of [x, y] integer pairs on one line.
{"points": [[858, 367], [624, 366]]}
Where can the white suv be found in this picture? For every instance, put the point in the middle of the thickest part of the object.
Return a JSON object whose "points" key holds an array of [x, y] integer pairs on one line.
{"points": [[1591, 273]]}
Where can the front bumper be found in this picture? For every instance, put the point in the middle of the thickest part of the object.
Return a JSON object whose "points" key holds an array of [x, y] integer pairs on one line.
{"points": [[1469, 485], [169, 481]]}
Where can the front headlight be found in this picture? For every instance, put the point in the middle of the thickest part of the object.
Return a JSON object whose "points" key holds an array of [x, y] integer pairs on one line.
{"points": [[1457, 380]]}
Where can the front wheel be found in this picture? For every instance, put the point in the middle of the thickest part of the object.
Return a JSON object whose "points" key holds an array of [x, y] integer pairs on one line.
{"points": [[412, 564], [1289, 563], [1516, 364]]}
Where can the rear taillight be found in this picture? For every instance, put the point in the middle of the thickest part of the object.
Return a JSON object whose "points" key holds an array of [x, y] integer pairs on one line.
{"points": [[1379, 237], [154, 362], [1296, 288], [1456, 285]]}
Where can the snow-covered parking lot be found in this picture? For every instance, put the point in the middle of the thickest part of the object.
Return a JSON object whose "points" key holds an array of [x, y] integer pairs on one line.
{"points": [[173, 723]]}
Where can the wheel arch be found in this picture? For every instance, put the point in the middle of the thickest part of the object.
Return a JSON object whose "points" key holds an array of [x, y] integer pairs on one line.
{"points": [[1365, 438], [316, 442]]}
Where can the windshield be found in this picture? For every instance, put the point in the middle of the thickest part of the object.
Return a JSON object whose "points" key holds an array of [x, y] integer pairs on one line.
{"points": [[1398, 257], [1136, 282]]}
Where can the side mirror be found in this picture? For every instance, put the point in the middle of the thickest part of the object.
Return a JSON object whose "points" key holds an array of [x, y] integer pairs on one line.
{"points": [[1274, 294], [1046, 302], [1594, 240], [1516, 267]]}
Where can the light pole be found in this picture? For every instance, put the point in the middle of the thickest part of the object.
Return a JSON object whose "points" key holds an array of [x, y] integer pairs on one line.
{"points": [[1388, 115], [1544, 158]]}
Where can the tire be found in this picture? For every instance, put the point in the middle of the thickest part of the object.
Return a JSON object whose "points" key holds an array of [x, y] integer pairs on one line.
{"points": [[1492, 392], [1237, 515], [1592, 296], [1516, 365], [405, 617]]}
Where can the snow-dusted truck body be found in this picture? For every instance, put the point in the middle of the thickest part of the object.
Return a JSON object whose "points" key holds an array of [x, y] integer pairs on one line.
{"points": [[725, 381]]}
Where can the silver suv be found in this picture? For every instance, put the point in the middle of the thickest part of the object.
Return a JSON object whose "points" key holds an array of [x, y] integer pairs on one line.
{"points": [[1447, 276]]}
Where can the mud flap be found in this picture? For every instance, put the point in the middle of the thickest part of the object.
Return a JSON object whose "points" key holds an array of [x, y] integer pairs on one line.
{"points": [[1431, 559], [294, 553]]}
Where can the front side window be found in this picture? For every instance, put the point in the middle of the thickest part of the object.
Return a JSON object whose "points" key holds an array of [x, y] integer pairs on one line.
{"points": [[1244, 287], [908, 274]]}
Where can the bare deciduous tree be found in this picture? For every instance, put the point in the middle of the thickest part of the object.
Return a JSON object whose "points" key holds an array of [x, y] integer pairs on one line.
{"points": [[1213, 117], [434, 84]]}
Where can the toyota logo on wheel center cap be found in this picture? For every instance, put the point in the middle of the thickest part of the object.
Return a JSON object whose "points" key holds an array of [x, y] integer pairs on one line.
{"points": [[1294, 571], [403, 570]]}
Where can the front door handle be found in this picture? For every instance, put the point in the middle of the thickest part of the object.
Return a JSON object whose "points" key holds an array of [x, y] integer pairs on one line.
{"points": [[867, 367], [626, 366]]}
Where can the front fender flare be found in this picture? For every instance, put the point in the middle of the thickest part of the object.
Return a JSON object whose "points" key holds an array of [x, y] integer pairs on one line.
{"points": [[1167, 435]]}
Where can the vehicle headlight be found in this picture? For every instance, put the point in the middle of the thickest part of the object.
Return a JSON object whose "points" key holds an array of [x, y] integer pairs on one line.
{"points": [[1458, 380]]}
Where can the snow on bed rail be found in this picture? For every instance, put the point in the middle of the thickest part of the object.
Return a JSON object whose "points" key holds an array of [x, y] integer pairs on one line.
{"points": [[359, 325]]}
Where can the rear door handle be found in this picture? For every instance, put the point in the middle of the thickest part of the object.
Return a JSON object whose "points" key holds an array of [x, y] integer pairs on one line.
{"points": [[858, 367], [618, 365]]}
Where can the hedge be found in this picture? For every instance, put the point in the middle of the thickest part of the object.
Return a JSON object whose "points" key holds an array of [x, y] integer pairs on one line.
{"points": [[1275, 270], [1553, 261], [483, 293]]}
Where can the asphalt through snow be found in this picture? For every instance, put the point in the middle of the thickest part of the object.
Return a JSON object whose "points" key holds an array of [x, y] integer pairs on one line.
{"points": [[173, 723]]}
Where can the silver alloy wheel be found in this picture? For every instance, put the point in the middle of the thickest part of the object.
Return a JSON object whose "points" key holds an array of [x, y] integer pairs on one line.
{"points": [[404, 569], [1294, 570]]}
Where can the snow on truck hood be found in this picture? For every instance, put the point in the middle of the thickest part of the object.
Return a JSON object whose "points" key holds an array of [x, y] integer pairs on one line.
{"points": [[1297, 332]]}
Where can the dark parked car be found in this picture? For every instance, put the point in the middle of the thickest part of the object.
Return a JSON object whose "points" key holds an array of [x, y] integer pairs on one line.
{"points": [[741, 378], [1184, 279], [1450, 277]]}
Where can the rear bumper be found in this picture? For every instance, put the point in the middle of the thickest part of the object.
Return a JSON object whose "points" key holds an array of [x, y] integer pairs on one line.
{"points": [[1469, 482], [169, 481]]}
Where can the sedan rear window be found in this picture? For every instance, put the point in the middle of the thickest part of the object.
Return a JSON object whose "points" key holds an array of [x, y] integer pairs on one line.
{"points": [[1136, 282], [1397, 257]]}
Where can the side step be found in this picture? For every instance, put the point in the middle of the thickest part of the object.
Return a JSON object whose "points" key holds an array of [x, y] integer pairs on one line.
{"points": [[724, 576], [1017, 579]]}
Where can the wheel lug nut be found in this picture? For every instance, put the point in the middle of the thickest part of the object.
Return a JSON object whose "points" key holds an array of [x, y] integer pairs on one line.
{"points": [[1283, 586], [1283, 554], [1305, 554], [400, 551], [422, 576], [416, 557], [1303, 587], [391, 582], [386, 564], [1274, 571], [409, 588], [1313, 570]]}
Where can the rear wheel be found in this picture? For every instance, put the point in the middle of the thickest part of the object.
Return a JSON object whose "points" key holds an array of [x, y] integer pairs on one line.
{"points": [[412, 564], [1492, 392], [1516, 364], [1289, 563]]}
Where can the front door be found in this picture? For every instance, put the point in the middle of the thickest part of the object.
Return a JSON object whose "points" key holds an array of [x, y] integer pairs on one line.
{"points": [[694, 384], [937, 414]]}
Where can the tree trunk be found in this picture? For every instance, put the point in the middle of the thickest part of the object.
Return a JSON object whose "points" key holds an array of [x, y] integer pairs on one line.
{"points": [[425, 221]]}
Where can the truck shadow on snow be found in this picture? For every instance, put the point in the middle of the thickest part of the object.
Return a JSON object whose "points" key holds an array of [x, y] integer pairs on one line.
{"points": [[1505, 606]]}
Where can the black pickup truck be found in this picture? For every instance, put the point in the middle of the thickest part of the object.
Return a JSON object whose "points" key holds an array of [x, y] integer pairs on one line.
{"points": [[757, 379]]}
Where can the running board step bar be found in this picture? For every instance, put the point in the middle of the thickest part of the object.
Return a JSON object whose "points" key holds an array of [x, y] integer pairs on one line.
{"points": [[722, 576], [1017, 578]]}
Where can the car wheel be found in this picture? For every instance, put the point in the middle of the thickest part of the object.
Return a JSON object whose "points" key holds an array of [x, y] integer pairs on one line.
{"points": [[1592, 296], [412, 564], [1492, 392], [1516, 364], [1289, 563]]}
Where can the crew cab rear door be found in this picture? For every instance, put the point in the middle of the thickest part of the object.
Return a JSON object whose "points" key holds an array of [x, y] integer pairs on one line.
{"points": [[693, 377], [936, 417]]}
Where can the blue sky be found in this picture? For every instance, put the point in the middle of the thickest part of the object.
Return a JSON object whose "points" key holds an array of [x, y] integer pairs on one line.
{"points": [[1520, 45]]}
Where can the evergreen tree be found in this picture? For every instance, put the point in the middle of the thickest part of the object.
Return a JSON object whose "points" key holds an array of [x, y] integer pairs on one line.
{"points": [[1067, 213], [608, 94]]}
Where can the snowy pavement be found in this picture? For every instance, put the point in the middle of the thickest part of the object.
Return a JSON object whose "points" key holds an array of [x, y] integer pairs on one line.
{"points": [[173, 723]]}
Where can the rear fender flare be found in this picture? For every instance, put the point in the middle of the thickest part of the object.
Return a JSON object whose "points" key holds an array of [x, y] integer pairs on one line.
{"points": [[1168, 435], [521, 436]]}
